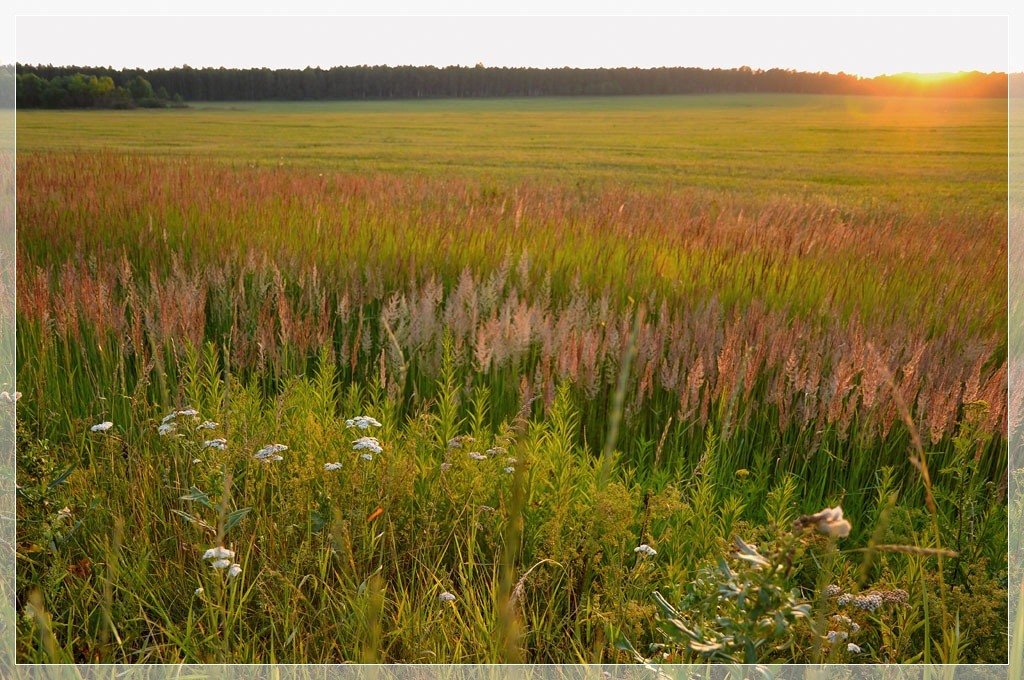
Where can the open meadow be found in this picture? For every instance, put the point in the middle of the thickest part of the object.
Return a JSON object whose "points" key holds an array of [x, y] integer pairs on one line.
{"points": [[515, 380]]}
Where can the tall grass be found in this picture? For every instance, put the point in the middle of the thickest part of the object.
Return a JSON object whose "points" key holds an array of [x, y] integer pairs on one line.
{"points": [[535, 542], [768, 355]]}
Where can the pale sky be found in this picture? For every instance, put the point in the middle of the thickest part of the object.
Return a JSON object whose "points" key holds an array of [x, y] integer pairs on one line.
{"points": [[862, 45]]}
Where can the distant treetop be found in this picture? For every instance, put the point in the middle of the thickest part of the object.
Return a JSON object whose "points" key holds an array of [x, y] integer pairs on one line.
{"points": [[81, 90], [413, 82]]}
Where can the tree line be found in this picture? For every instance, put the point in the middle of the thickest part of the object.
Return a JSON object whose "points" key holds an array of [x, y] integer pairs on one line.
{"points": [[79, 90], [412, 82]]}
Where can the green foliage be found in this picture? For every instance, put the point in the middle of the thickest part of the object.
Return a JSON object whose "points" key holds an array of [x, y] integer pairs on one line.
{"points": [[742, 611], [88, 91], [372, 544]]}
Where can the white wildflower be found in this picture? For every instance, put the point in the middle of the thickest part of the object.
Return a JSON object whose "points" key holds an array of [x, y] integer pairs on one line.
{"points": [[207, 425], [362, 422], [329, 467], [169, 417], [197, 461], [446, 597], [234, 570], [853, 649], [496, 450], [191, 412], [366, 456], [836, 635], [476, 455], [199, 591], [869, 602], [219, 443], [220, 564], [166, 429], [220, 552], [268, 452], [102, 427], [510, 469], [646, 550], [368, 443]]}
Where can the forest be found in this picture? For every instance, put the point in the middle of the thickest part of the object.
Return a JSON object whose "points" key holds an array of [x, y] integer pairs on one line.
{"points": [[416, 82]]}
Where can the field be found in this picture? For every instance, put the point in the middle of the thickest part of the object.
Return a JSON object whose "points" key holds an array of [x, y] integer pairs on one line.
{"points": [[615, 347]]}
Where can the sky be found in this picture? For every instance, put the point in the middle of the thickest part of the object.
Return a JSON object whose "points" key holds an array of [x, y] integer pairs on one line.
{"points": [[866, 46]]}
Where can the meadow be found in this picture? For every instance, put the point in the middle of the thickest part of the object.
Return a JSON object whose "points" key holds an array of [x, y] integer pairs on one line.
{"points": [[615, 354]]}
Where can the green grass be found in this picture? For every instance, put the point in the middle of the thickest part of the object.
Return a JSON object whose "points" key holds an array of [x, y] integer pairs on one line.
{"points": [[807, 291], [944, 154]]}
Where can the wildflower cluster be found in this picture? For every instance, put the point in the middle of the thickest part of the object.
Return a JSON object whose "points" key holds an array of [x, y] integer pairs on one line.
{"points": [[842, 628], [871, 601], [369, 444], [270, 453], [362, 422], [222, 559]]}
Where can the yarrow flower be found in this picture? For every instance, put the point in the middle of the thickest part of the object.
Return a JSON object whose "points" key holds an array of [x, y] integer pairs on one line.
{"points": [[234, 570], [457, 442], [833, 590], [362, 422], [332, 466], [220, 564], [166, 429], [869, 602], [368, 443], [476, 455], [188, 411], [836, 635], [102, 427], [269, 452], [199, 591], [853, 649], [646, 550], [898, 596], [446, 597], [829, 522], [207, 425], [496, 450], [366, 456], [219, 443], [218, 553], [510, 469]]}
